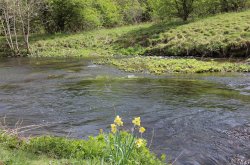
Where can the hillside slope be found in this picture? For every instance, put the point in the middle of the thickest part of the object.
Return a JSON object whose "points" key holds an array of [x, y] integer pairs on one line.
{"points": [[223, 35]]}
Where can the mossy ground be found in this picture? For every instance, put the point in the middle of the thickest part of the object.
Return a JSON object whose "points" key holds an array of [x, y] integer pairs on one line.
{"points": [[159, 65]]}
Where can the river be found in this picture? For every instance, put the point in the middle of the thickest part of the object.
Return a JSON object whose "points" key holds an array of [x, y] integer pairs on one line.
{"points": [[192, 118]]}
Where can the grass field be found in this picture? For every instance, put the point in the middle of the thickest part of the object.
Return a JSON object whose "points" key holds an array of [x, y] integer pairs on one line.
{"points": [[93, 43]]}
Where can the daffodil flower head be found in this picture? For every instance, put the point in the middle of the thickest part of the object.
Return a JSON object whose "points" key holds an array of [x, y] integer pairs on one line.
{"points": [[118, 121], [137, 121], [142, 130], [139, 143], [113, 128]]}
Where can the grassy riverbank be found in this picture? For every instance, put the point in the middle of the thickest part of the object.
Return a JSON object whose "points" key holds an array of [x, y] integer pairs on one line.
{"points": [[224, 35], [118, 147], [50, 150], [60, 150]]}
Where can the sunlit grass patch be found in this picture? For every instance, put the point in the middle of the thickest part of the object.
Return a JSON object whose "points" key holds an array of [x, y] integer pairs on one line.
{"points": [[85, 44], [158, 65]]}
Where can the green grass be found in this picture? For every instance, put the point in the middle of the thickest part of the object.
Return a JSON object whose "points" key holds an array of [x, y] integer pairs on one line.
{"points": [[158, 65], [60, 150], [87, 44], [19, 157], [223, 35]]}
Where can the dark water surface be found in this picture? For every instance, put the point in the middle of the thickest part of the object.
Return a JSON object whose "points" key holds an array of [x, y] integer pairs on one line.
{"points": [[201, 119]]}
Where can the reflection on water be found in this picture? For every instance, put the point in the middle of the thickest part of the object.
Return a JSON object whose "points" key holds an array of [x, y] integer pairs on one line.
{"points": [[201, 119]]}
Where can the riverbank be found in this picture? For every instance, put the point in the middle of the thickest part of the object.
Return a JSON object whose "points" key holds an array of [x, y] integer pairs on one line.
{"points": [[224, 35], [46, 150], [117, 147]]}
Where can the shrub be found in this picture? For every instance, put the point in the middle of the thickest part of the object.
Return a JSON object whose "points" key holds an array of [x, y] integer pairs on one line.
{"points": [[70, 15]]}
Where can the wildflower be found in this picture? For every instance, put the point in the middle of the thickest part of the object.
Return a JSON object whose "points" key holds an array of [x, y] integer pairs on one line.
{"points": [[113, 128], [137, 121], [118, 121], [142, 130], [139, 143]]}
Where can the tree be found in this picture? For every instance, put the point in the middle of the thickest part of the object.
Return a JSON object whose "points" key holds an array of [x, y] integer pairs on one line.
{"points": [[15, 17], [8, 22], [184, 8], [70, 15], [109, 11], [173, 8], [232, 5], [132, 11]]}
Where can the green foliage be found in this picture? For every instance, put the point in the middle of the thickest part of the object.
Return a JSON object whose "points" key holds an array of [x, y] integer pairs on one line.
{"points": [[59, 147], [71, 15], [162, 9], [110, 14], [20, 157], [120, 147], [9, 141], [173, 8], [133, 11], [78, 15]]}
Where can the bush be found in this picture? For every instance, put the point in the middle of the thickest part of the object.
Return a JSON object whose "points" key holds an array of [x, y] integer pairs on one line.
{"points": [[70, 15], [109, 11], [132, 11]]}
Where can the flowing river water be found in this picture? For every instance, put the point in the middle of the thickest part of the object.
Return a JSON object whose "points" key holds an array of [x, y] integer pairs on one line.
{"points": [[193, 118]]}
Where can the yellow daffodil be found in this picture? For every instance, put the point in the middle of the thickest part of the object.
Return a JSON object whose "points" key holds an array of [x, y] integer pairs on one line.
{"points": [[113, 128], [118, 121], [139, 143], [142, 130], [137, 121]]}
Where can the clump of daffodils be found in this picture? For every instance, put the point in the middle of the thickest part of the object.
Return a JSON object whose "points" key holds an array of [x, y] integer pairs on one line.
{"points": [[137, 125], [122, 146]]}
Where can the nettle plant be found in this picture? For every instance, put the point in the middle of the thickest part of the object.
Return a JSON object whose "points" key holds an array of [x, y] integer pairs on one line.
{"points": [[122, 144]]}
